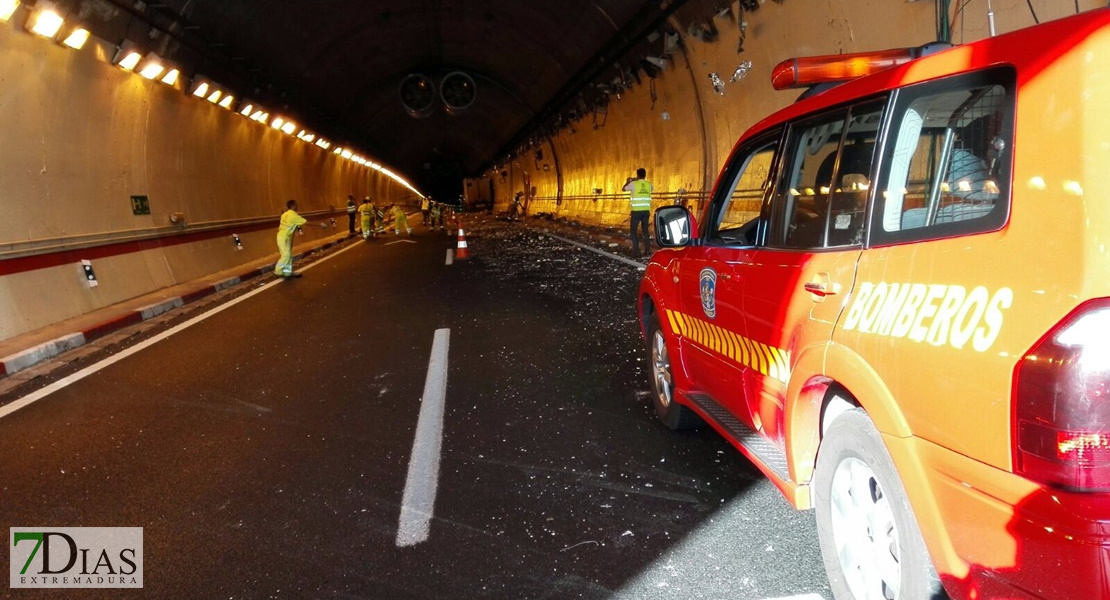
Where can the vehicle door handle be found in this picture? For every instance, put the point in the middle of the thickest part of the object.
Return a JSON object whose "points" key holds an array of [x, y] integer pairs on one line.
{"points": [[821, 286], [818, 289]]}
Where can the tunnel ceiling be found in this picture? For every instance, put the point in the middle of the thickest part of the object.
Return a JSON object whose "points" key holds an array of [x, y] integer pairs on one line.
{"points": [[337, 65]]}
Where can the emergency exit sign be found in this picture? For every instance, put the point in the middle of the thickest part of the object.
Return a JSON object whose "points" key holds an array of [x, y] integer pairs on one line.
{"points": [[140, 205]]}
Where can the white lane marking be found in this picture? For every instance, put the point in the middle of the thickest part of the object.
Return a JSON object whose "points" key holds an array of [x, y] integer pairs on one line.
{"points": [[450, 256], [89, 370], [801, 597], [419, 498], [629, 261], [399, 241]]}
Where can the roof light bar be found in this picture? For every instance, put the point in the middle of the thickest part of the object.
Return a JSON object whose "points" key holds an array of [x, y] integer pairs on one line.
{"points": [[811, 70]]}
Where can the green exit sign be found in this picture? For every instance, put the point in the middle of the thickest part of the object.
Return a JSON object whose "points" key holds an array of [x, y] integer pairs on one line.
{"points": [[140, 205]]}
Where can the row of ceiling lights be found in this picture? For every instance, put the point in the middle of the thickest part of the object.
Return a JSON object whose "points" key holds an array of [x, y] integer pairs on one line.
{"points": [[44, 19]]}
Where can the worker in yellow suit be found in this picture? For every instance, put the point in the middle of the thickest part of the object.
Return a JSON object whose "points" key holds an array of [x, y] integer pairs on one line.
{"points": [[290, 223], [400, 221], [368, 214]]}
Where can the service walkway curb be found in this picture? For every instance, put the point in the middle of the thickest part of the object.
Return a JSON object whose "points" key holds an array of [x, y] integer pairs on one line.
{"points": [[29, 350]]}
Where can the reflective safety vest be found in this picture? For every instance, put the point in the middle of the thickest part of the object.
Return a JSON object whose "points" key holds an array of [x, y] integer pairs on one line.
{"points": [[351, 207], [641, 195]]}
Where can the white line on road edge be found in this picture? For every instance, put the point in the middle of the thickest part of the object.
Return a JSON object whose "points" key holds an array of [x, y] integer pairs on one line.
{"points": [[419, 498], [802, 597], [601, 252], [37, 395], [450, 256]]}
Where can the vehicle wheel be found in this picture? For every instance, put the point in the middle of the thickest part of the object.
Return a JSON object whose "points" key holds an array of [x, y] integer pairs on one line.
{"points": [[674, 415], [870, 541]]}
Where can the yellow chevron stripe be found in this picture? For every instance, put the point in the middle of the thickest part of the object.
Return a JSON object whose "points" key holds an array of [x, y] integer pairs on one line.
{"points": [[767, 360], [674, 318]]}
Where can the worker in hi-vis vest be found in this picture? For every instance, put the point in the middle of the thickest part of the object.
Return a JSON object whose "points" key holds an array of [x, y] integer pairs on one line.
{"points": [[400, 220], [368, 213], [290, 223], [640, 193]]}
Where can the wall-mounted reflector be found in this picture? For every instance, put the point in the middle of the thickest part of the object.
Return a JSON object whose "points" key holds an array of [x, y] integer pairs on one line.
{"points": [[45, 21], [77, 38], [90, 277], [7, 9]]}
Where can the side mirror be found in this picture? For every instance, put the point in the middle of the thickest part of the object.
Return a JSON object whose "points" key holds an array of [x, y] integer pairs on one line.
{"points": [[673, 226]]}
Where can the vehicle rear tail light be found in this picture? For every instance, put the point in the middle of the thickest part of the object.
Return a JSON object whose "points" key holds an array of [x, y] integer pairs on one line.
{"points": [[1062, 403], [811, 70]]}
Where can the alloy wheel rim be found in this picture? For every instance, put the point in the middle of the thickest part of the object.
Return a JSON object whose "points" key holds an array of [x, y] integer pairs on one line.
{"points": [[661, 369], [865, 533]]}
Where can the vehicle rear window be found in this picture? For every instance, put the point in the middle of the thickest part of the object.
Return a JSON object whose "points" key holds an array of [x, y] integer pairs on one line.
{"points": [[949, 152]]}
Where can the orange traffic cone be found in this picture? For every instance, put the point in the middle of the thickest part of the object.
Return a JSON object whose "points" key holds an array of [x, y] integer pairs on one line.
{"points": [[462, 253]]}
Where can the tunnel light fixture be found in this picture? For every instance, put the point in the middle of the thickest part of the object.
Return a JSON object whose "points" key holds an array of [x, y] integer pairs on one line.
{"points": [[288, 128], [347, 154], [7, 9], [278, 122], [45, 20], [309, 138], [150, 67], [127, 56], [76, 38], [227, 101], [338, 150], [171, 77], [215, 96], [246, 108], [322, 143]]}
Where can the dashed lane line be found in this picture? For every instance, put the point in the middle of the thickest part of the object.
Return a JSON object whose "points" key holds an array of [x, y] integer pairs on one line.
{"points": [[418, 500]]}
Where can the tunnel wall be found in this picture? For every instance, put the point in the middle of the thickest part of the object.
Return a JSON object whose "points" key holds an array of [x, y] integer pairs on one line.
{"points": [[683, 153], [79, 137]]}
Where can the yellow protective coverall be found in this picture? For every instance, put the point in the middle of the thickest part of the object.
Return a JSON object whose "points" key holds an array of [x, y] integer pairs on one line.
{"points": [[367, 212], [290, 221], [400, 221]]}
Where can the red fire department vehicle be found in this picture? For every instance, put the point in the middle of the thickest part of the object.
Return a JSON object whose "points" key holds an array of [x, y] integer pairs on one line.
{"points": [[896, 303]]}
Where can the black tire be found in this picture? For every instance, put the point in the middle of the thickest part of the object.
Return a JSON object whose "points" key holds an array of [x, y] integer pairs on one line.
{"points": [[672, 414], [870, 541]]}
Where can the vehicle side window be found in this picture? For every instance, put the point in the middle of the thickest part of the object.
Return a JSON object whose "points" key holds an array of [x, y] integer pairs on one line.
{"points": [[822, 201], [949, 148], [735, 213]]}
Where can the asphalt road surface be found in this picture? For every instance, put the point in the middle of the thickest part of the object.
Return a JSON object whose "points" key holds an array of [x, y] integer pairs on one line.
{"points": [[391, 426]]}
